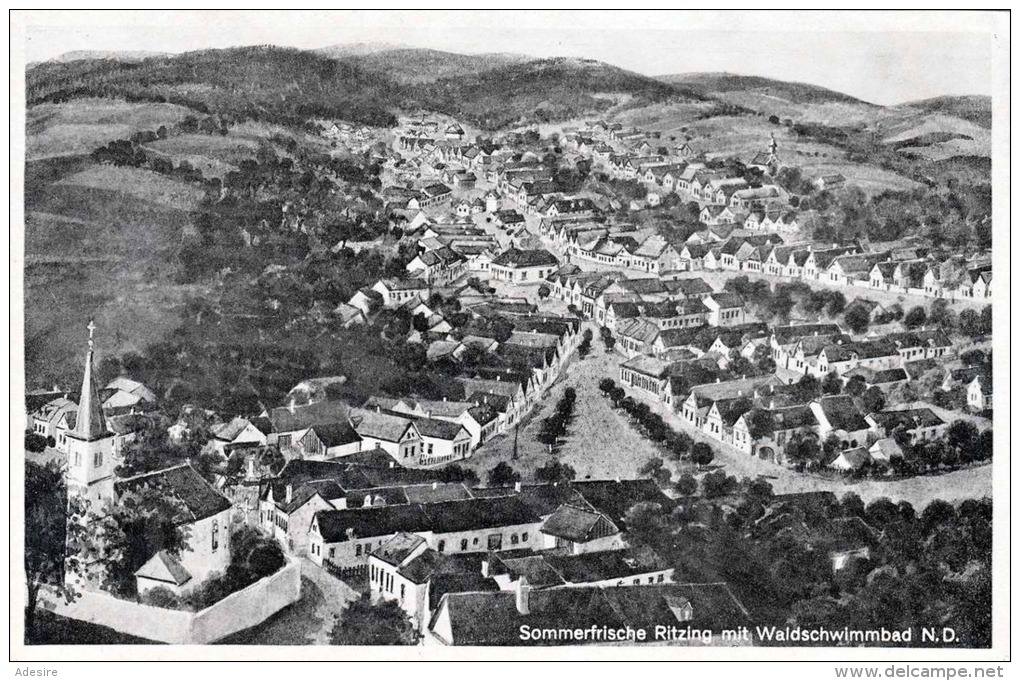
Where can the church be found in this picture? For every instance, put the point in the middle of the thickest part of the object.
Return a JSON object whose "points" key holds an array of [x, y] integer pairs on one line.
{"points": [[93, 453], [768, 161]]}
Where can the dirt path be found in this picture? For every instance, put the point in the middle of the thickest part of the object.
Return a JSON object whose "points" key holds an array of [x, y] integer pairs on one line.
{"points": [[306, 622]]}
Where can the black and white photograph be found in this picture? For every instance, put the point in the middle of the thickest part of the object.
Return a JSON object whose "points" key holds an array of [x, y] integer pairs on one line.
{"points": [[509, 335]]}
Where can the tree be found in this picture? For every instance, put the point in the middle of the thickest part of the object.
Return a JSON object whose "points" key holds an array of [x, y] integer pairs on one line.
{"points": [[606, 386], [872, 400], [503, 475], [585, 346], [655, 469], [915, 317], [702, 454], [803, 449], [856, 386], [127, 533], [34, 442], [555, 471], [857, 318], [759, 423], [832, 384], [49, 528], [718, 484], [962, 435], [366, 624], [543, 292], [686, 485]]}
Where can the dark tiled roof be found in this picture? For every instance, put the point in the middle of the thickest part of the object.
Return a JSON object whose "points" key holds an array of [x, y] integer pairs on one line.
{"points": [[285, 420], [336, 434], [199, 498], [514, 257], [842, 413]]}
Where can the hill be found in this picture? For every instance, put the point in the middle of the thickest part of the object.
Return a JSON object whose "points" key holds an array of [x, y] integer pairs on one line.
{"points": [[713, 83], [345, 50], [974, 108], [539, 91], [262, 83], [423, 66]]}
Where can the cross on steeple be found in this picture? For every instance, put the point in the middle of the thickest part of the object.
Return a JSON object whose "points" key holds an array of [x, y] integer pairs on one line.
{"points": [[91, 327]]}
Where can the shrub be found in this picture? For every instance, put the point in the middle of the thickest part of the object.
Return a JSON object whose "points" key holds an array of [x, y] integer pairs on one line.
{"points": [[161, 597], [34, 442]]}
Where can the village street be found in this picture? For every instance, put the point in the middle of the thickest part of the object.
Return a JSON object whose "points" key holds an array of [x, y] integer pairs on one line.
{"points": [[965, 483], [600, 441]]}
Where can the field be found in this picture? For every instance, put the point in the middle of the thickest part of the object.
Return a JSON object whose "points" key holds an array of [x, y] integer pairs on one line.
{"points": [[214, 155], [100, 242], [81, 126]]}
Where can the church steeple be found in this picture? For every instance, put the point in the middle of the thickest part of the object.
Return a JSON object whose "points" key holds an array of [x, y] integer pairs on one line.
{"points": [[773, 145], [90, 423]]}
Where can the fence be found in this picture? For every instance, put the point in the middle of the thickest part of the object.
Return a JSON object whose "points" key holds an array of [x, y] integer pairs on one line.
{"points": [[237, 612], [353, 573]]}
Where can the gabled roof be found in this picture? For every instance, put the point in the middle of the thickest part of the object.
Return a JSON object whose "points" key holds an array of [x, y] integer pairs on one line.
{"points": [[199, 499], [381, 425], [288, 420], [514, 257], [842, 414], [163, 567], [571, 523], [336, 434]]}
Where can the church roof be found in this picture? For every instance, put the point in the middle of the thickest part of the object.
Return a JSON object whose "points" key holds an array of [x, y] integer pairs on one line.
{"points": [[89, 423]]}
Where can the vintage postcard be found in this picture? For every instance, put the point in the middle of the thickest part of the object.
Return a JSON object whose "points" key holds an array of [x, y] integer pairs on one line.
{"points": [[510, 335]]}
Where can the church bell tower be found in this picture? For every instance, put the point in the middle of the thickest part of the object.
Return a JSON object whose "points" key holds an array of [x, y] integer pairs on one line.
{"points": [[90, 443]]}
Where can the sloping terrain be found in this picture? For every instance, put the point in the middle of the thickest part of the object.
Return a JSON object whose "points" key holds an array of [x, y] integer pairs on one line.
{"points": [[423, 66], [974, 108]]}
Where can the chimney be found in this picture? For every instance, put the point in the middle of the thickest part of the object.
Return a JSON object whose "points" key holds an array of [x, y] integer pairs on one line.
{"points": [[435, 485], [393, 464], [292, 405], [517, 486], [523, 592], [290, 492], [486, 567], [350, 533], [378, 409]]}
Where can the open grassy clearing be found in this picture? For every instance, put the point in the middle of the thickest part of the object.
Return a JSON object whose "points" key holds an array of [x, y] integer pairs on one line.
{"points": [[79, 127]]}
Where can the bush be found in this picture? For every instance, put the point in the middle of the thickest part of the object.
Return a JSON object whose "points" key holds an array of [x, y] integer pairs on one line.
{"points": [[34, 442], [161, 597]]}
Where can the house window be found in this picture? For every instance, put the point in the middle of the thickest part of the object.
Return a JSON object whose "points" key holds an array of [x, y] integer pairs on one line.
{"points": [[524, 537], [77, 458], [464, 544], [357, 549], [401, 592], [513, 539], [442, 546], [474, 542], [215, 535], [332, 552]]}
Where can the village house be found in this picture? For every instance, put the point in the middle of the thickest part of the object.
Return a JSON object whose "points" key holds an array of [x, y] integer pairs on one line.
{"points": [[522, 267], [920, 424], [647, 374], [396, 292], [979, 393], [397, 435], [837, 415], [346, 538], [724, 309], [784, 423]]}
